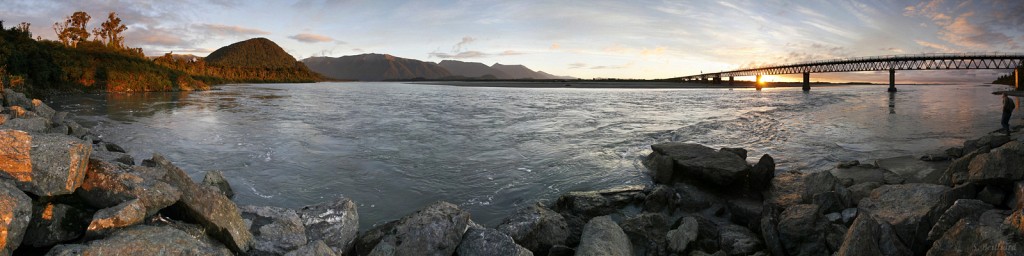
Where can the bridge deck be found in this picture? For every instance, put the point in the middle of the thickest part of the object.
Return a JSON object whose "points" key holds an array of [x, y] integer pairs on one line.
{"points": [[883, 63]]}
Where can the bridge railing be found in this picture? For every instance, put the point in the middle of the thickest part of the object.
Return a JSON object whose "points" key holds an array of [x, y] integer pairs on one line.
{"points": [[891, 57]]}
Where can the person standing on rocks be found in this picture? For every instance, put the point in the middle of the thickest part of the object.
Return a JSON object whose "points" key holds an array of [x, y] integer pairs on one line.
{"points": [[1008, 107]]}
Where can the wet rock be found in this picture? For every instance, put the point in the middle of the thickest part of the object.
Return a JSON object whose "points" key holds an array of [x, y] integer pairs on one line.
{"points": [[314, 248], [113, 157], [486, 242], [861, 175], [834, 236], [536, 228], [913, 169], [802, 230], [58, 118], [770, 232], [601, 236], [676, 161], [977, 237], [847, 164], [741, 152], [867, 236], [107, 185], [205, 206], [961, 209], [680, 238], [42, 109], [935, 157], [910, 208], [77, 130], [862, 190], [762, 173], [28, 123], [561, 250], [216, 179], [991, 195], [738, 240], [985, 143], [578, 207], [43, 164], [661, 198], [144, 240], [647, 231], [793, 187], [434, 230], [113, 147], [53, 223], [336, 222], [834, 217], [848, 215], [954, 152], [1000, 166], [831, 201], [956, 173], [123, 215], [367, 240], [692, 198], [275, 230], [15, 213]]}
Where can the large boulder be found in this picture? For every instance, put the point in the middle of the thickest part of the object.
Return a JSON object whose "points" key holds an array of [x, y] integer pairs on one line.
{"points": [[487, 242], [29, 123], [956, 173], [983, 236], [314, 248], [911, 209], [216, 179], [56, 164], [762, 173], [913, 169], [367, 240], [108, 184], [674, 160], [802, 230], [42, 109], [144, 240], [680, 238], [861, 174], [791, 188], [601, 236], [53, 223], [1000, 166], [536, 228], [15, 213], [434, 230], [107, 220], [868, 236], [336, 222], [661, 198], [206, 206], [578, 207], [961, 209], [12, 98], [275, 231], [738, 240], [113, 157], [647, 232]]}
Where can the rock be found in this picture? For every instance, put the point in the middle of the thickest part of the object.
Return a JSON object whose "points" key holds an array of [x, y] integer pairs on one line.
{"points": [[956, 173], [867, 236], [647, 231], [692, 198], [962, 209], [698, 162], [742, 153], [954, 152], [1000, 166], [42, 109], [1016, 200], [910, 208], [709, 237], [578, 207], [144, 240], [434, 230], [107, 185], [601, 236], [12, 98], [976, 237], [44, 164], [862, 175], [738, 240], [661, 198], [123, 215], [113, 147], [862, 190], [336, 222], [483, 241], [15, 213], [991, 195], [205, 206], [746, 212], [4, 118], [679, 238], [369, 239], [847, 164], [793, 187], [770, 232], [113, 157], [834, 236], [913, 169], [848, 215], [314, 248], [834, 217], [77, 130], [536, 228], [802, 230], [762, 173], [561, 250], [58, 118], [28, 123], [17, 112], [53, 223], [935, 157], [275, 230], [216, 179], [985, 143], [831, 201]]}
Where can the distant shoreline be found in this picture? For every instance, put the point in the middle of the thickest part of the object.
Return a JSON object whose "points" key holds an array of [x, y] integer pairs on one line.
{"points": [[619, 84]]}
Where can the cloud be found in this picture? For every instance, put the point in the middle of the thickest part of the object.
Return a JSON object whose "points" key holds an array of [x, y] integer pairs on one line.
{"points": [[460, 55], [465, 41], [360, 50], [934, 46], [891, 49], [156, 37], [311, 38], [228, 30], [577, 65], [584, 65], [555, 46], [963, 32], [510, 53]]}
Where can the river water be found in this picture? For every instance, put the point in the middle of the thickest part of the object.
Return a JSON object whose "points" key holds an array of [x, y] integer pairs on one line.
{"points": [[395, 147]]}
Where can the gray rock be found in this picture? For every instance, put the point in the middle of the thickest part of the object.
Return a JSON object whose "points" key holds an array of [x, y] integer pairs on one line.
{"points": [[107, 185], [12, 98], [910, 208], [961, 209], [741, 152], [42, 109], [205, 206], [107, 220], [991, 195], [849, 214], [336, 222], [834, 236], [144, 240], [1016, 200], [314, 248], [601, 236], [738, 240], [647, 231], [32, 124], [216, 179], [861, 175], [698, 162], [834, 217], [762, 173], [53, 223], [59, 117], [746, 212], [275, 230], [56, 166], [578, 207], [77, 130], [692, 198], [954, 152], [486, 242], [109, 146], [434, 230], [1000, 166], [770, 232], [866, 236], [679, 238], [791, 188], [913, 169], [862, 190], [16, 209], [561, 250], [939, 157], [975, 237], [113, 157], [536, 228], [661, 198], [956, 173], [847, 164], [802, 230], [830, 202]]}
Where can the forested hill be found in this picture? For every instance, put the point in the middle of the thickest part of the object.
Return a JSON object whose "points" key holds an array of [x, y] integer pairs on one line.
{"points": [[256, 60]]}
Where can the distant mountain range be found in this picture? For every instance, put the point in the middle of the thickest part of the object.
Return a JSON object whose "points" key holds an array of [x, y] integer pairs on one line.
{"points": [[378, 67]]}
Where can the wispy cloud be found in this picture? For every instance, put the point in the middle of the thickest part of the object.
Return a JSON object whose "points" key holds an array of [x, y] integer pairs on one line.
{"points": [[465, 41], [228, 30], [311, 38]]}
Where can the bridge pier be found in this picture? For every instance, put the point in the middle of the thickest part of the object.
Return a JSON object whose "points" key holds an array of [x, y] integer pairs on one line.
{"points": [[1017, 76], [717, 79], [730, 80], [892, 80], [807, 81], [757, 84]]}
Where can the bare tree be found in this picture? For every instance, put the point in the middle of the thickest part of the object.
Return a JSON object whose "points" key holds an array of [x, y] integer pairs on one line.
{"points": [[72, 31]]}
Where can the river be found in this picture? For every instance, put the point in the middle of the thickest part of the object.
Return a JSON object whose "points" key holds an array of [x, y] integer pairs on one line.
{"points": [[395, 147]]}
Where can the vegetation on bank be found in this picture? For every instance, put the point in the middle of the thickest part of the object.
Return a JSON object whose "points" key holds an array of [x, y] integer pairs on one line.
{"points": [[84, 60], [256, 60], [1005, 79]]}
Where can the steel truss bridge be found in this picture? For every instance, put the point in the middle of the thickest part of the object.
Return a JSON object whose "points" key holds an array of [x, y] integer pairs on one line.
{"points": [[891, 63]]}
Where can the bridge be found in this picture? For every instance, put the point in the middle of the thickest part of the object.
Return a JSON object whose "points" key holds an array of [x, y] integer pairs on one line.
{"points": [[891, 63]]}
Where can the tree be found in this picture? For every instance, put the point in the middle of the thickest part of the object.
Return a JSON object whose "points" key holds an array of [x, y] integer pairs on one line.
{"points": [[110, 32], [72, 31]]}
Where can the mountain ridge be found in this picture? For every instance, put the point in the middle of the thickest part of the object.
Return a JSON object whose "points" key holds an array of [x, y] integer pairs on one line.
{"points": [[381, 67]]}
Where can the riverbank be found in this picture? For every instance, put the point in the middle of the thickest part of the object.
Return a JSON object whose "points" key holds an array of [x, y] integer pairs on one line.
{"points": [[620, 84], [71, 192]]}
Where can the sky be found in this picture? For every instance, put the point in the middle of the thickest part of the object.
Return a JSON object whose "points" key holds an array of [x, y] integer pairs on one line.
{"points": [[585, 39]]}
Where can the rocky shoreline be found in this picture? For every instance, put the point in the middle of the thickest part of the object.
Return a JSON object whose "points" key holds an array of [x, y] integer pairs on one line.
{"points": [[65, 191]]}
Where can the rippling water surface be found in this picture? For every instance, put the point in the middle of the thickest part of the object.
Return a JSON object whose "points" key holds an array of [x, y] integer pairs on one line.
{"points": [[396, 147]]}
